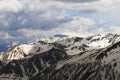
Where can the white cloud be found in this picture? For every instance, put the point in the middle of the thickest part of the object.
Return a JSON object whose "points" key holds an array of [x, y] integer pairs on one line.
{"points": [[4, 35], [115, 29], [108, 29], [30, 32], [10, 6], [101, 21], [36, 33], [79, 25]]}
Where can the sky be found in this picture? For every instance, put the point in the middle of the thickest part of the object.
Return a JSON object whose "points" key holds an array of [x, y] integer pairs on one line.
{"points": [[45, 18]]}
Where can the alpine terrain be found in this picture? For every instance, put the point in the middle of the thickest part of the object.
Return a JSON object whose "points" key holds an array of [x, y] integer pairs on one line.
{"points": [[94, 57]]}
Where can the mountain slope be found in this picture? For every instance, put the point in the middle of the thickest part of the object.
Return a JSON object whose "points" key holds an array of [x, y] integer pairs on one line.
{"points": [[87, 67], [30, 67], [92, 59], [84, 66]]}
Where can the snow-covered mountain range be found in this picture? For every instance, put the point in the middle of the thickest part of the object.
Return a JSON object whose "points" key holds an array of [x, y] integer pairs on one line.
{"points": [[66, 58], [72, 46]]}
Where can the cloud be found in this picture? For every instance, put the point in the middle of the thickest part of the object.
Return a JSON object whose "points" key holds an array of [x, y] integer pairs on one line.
{"points": [[4, 35], [31, 32], [12, 6], [79, 25], [26, 18], [47, 21], [77, 1], [114, 29]]}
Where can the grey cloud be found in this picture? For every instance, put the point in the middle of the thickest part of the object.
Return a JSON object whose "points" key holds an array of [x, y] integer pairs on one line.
{"points": [[15, 33], [77, 1], [22, 20], [87, 11]]}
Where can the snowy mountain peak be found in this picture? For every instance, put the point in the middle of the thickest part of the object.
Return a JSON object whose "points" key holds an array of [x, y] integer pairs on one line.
{"points": [[22, 50], [72, 46]]}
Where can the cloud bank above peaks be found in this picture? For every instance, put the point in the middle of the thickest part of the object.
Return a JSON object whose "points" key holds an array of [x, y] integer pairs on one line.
{"points": [[27, 18]]}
